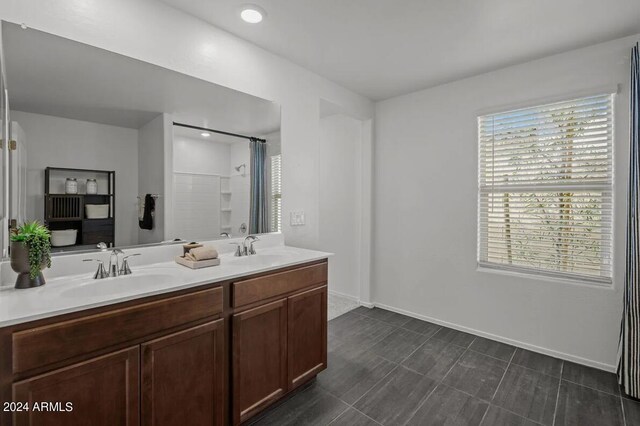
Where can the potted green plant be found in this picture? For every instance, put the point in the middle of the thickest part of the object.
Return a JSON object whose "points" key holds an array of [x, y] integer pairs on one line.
{"points": [[30, 253]]}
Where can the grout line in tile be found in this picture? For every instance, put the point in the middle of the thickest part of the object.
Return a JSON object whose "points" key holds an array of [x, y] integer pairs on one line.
{"points": [[341, 413], [455, 363], [589, 387], [503, 376], [351, 405], [414, 351], [555, 409], [417, 372], [370, 418], [624, 415], [490, 356], [375, 384], [424, 401], [424, 334], [464, 392], [536, 371], [387, 322], [512, 412], [500, 384]]}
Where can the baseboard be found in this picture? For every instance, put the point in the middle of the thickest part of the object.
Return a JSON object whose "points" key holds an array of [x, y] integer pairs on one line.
{"points": [[352, 298], [344, 296], [517, 343]]}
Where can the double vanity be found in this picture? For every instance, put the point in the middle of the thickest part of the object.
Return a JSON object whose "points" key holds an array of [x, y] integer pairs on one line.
{"points": [[165, 345]]}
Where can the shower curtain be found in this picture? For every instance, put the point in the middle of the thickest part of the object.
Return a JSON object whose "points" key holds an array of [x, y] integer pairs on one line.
{"points": [[629, 350], [258, 207]]}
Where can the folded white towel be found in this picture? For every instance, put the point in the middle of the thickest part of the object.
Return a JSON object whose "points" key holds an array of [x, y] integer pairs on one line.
{"points": [[202, 253]]}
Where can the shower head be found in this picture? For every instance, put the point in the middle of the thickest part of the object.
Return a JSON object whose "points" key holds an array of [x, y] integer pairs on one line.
{"points": [[240, 166]]}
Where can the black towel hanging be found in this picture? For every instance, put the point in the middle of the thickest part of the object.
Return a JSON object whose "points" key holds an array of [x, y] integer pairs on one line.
{"points": [[149, 208]]}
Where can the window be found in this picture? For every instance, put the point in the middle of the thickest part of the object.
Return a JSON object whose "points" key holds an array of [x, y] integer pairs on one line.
{"points": [[545, 181], [276, 193]]}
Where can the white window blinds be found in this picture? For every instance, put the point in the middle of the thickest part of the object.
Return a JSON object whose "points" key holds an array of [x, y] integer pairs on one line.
{"points": [[545, 189], [276, 193]]}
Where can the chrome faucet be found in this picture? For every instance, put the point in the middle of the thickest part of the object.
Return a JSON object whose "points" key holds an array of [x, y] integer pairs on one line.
{"points": [[242, 249], [125, 269], [239, 252], [114, 270], [101, 272], [249, 250]]}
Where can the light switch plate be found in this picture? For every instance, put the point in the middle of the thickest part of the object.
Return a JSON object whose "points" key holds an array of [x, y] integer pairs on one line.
{"points": [[296, 218]]}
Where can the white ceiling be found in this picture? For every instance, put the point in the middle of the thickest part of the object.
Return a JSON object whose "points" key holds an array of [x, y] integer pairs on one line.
{"points": [[51, 75], [383, 48]]}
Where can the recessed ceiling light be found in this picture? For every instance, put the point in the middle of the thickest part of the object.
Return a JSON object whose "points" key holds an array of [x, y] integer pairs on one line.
{"points": [[252, 14], [205, 134]]}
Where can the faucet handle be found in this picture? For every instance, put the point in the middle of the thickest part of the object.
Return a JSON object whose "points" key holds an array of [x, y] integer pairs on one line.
{"points": [[238, 252], [253, 240], [125, 269], [101, 272]]}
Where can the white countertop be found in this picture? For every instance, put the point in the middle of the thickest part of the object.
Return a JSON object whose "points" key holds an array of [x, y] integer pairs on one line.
{"points": [[74, 293]]}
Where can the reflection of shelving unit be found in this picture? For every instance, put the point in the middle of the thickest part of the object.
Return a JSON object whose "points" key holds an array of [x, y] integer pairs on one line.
{"points": [[225, 204], [67, 211]]}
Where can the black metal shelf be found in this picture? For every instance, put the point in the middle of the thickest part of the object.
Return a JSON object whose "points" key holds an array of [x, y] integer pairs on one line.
{"points": [[67, 211]]}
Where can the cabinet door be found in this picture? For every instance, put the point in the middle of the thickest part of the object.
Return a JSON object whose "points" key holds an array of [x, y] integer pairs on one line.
{"points": [[183, 377], [307, 335], [259, 358], [103, 391]]}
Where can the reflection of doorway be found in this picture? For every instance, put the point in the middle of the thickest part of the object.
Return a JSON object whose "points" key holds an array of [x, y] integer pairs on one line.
{"points": [[18, 179], [344, 202]]}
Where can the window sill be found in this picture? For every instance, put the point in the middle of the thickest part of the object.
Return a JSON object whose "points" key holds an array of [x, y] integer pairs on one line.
{"points": [[582, 282]]}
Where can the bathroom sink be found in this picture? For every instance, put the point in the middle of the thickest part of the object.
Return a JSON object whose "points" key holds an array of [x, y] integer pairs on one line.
{"points": [[122, 284]]}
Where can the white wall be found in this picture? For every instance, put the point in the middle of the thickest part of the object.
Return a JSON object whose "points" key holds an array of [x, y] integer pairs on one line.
{"points": [[151, 172], [201, 50], [198, 165], [200, 156], [340, 200], [425, 194], [196, 209], [61, 142]]}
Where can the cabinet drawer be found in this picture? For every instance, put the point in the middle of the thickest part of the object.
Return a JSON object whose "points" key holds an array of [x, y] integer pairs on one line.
{"points": [[56, 342], [265, 287]]}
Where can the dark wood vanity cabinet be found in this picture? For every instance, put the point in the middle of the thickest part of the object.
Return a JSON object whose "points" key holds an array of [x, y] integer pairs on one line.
{"points": [[259, 358], [214, 355], [183, 377], [306, 335], [279, 336], [102, 391]]}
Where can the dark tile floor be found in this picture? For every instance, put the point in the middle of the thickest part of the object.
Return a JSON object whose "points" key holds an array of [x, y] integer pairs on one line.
{"points": [[389, 369]]}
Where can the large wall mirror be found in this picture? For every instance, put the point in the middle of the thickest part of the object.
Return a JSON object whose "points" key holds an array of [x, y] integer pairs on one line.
{"points": [[109, 149]]}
